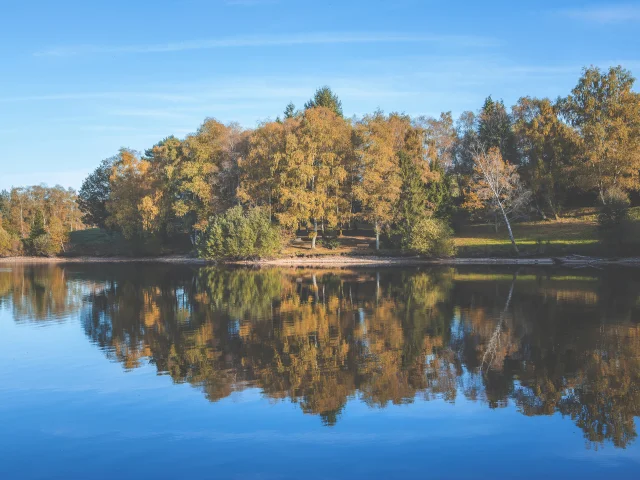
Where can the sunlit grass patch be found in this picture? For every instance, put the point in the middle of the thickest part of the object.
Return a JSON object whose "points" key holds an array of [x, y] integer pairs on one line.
{"points": [[576, 234]]}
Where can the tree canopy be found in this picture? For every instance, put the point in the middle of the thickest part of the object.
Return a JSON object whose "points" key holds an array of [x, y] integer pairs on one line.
{"points": [[318, 171]]}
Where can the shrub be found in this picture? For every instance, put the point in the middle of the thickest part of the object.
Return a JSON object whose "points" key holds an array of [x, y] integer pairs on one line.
{"points": [[614, 222], [331, 243], [42, 246], [615, 210], [236, 234], [431, 237]]}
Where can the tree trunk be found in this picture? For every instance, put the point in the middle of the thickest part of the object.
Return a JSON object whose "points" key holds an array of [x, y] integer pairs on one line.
{"points": [[315, 235], [601, 194], [377, 236], [554, 210], [540, 211], [21, 221], [506, 221], [494, 341]]}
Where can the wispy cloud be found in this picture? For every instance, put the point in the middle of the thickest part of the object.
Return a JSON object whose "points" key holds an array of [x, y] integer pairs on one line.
{"points": [[617, 13], [250, 3], [320, 38], [167, 97]]}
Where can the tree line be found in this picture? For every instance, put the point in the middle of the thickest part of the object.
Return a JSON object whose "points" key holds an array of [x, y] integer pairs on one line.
{"points": [[37, 220], [408, 178]]}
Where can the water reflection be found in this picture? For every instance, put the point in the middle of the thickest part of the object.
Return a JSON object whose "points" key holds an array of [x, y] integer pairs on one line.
{"points": [[40, 293], [546, 341]]}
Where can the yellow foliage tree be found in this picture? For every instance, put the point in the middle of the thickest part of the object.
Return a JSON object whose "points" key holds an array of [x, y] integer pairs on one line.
{"points": [[380, 181]]}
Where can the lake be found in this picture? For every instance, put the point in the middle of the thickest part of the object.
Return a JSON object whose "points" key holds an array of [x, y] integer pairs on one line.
{"points": [[132, 371]]}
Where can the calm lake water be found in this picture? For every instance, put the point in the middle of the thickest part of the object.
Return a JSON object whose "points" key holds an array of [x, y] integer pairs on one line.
{"points": [[142, 371]]}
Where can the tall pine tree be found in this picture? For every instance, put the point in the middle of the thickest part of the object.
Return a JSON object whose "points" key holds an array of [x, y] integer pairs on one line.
{"points": [[413, 203]]}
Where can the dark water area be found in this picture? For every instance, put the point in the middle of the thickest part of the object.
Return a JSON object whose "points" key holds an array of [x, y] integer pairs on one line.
{"points": [[160, 371]]}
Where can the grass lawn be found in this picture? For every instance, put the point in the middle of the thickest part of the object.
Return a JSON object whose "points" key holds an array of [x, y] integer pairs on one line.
{"points": [[576, 234]]}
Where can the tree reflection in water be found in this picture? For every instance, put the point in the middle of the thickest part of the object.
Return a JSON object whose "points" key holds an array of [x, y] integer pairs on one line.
{"points": [[546, 341]]}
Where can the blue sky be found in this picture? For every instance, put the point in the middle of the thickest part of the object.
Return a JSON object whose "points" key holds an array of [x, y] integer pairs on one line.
{"points": [[80, 79]]}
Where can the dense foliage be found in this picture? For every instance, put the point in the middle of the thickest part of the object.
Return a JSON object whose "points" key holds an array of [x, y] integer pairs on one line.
{"points": [[316, 170], [240, 235], [613, 221], [37, 220], [431, 237]]}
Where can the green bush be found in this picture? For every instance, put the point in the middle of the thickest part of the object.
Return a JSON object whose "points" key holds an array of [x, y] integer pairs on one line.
{"points": [[40, 243], [236, 234], [330, 243], [614, 221], [615, 210], [431, 237], [42, 246]]}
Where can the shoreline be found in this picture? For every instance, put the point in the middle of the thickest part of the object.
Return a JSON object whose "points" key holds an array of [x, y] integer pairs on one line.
{"points": [[171, 259], [334, 261]]}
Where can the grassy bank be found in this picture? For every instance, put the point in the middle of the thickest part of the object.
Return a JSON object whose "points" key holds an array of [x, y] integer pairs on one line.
{"points": [[574, 233]]}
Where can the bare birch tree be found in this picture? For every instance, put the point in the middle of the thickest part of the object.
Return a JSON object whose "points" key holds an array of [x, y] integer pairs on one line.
{"points": [[497, 186]]}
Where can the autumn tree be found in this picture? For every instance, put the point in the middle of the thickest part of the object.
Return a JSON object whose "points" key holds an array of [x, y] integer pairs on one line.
{"points": [[315, 184], [262, 169], [132, 207], [40, 211], [196, 175], [235, 146], [497, 187], [207, 175], [605, 111], [380, 182], [547, 147], [5, 242], [164, 161], [440, 137]]}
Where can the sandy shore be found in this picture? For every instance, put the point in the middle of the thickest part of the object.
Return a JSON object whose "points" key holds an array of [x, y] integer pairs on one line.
{"points": [[174, 259], [330, 261], [338, 260]]}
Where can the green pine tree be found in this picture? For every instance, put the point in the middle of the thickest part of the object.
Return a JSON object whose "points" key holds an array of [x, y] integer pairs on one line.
{"points": [[414, 202], [438, 193], [324, 97], [37, 227], [495, 129], [290, 111]]}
